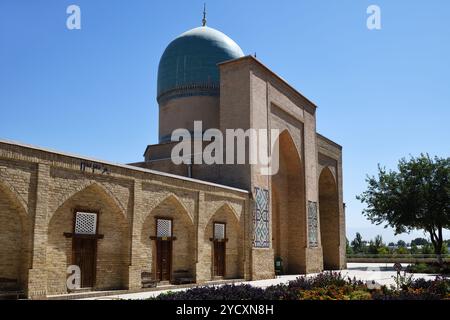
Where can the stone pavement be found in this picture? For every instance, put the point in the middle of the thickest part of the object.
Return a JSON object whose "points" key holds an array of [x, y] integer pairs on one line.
{"points": [[381, 273]]}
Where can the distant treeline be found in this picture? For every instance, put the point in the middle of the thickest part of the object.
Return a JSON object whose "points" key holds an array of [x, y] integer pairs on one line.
{"points": [[377, 246]]}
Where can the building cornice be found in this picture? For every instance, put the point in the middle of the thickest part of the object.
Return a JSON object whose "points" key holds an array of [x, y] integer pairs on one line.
{"points": [[311, 106], [122, 166], [329, 141]]}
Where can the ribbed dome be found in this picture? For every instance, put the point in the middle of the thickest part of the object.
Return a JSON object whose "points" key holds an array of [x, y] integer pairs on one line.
{"points": [[190, 61]]}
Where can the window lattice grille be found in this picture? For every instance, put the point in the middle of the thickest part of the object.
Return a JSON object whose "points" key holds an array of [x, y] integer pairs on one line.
{"points": [[219, 231], [164, 228], [86, 223]]}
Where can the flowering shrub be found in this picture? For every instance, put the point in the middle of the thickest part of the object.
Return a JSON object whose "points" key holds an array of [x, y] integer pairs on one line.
{"points": [[334, 293], [324, 286], [225, 292], [323, 280], [328, 286], [419, 289]]}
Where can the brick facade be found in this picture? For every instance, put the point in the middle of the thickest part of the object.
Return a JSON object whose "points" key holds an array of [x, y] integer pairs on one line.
{"points": [[41, 190], [44, 189]]}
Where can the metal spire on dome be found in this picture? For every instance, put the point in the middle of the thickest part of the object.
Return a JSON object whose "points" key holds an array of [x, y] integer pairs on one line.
{"points": [[204, 15]]}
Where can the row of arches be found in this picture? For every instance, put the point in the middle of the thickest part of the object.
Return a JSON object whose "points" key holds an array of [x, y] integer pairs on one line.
{"points": [[110, 246], [106, 259], [185, 251], [289, 216]]}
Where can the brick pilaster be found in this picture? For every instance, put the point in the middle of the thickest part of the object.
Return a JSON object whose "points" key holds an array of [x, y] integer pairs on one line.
{"points": [[134, 278], [37, 276]]}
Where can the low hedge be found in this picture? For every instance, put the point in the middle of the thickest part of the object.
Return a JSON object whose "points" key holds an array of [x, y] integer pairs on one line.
{"points": [[430, 267]]}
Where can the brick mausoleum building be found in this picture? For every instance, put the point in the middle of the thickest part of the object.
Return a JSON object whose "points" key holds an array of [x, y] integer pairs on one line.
{"points": [[200, 222]]}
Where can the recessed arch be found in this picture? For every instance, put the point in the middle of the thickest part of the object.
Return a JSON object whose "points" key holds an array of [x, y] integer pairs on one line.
{"points": [[175, 200], [112, 254], [286, 137], [225, 206], [289, 207], [329, 171], [100, 188], [14, 196], [232, 251], [183, 247], [329, 219], [15, 240]]}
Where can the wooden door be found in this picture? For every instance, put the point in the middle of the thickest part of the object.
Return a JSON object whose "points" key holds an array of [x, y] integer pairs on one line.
{"points": [[163, 259], [219, 258], [85, 256]]}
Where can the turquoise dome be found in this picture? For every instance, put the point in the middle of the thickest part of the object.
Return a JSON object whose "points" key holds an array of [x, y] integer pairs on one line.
{"points": [[190, 62]]}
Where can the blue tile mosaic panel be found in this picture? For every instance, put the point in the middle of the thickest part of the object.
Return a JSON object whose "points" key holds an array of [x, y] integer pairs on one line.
{"points": [[261, 231], [312, 224]]}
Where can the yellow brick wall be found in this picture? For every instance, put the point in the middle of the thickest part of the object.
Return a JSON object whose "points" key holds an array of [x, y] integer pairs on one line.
{"points": [[112, 251], [42, 189]]}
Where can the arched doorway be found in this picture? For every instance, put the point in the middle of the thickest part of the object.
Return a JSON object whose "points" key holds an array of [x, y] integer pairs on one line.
{"points": [[169, 241], [288, 208], [14, 242], [223, 233], [329, 219], [102, 252]]}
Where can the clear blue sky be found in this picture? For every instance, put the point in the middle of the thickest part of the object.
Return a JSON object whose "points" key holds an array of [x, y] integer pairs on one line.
{"points": [[381, 94]]}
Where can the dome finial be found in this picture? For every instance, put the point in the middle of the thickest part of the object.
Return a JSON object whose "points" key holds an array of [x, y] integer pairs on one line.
{"points": [[204, 15]]}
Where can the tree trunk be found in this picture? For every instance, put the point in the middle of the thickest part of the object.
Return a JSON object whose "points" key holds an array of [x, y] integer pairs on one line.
{"points": [[440, 241], [438, 252], [437, 241]]}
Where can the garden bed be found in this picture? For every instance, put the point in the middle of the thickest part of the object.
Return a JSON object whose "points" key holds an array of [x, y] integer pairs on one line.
{"points": [[325, 286]]}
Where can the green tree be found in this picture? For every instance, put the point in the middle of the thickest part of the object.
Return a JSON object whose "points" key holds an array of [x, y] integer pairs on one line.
{"points": [[357, 244], [376, 244], [414, 249], [427, 249], [417, 197], [383, 250], [348, 248], [378, 241], [402, 250], [401, 243], [419, 242]]}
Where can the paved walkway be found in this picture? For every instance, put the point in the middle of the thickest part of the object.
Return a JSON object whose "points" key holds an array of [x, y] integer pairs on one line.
{"points": [[381, 273]]}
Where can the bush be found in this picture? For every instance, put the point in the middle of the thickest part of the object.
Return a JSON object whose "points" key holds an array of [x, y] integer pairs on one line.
{"points": [[430, 267], [427, 249], [335, 293], [402, 250], [225, 292], [419, 289], [418, 268], [323, 280], [324, 286], [383, 250]]}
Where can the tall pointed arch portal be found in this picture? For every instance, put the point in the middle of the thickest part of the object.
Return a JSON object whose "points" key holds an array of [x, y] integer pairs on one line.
{"points": [[288, 208], [329, 219]]}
